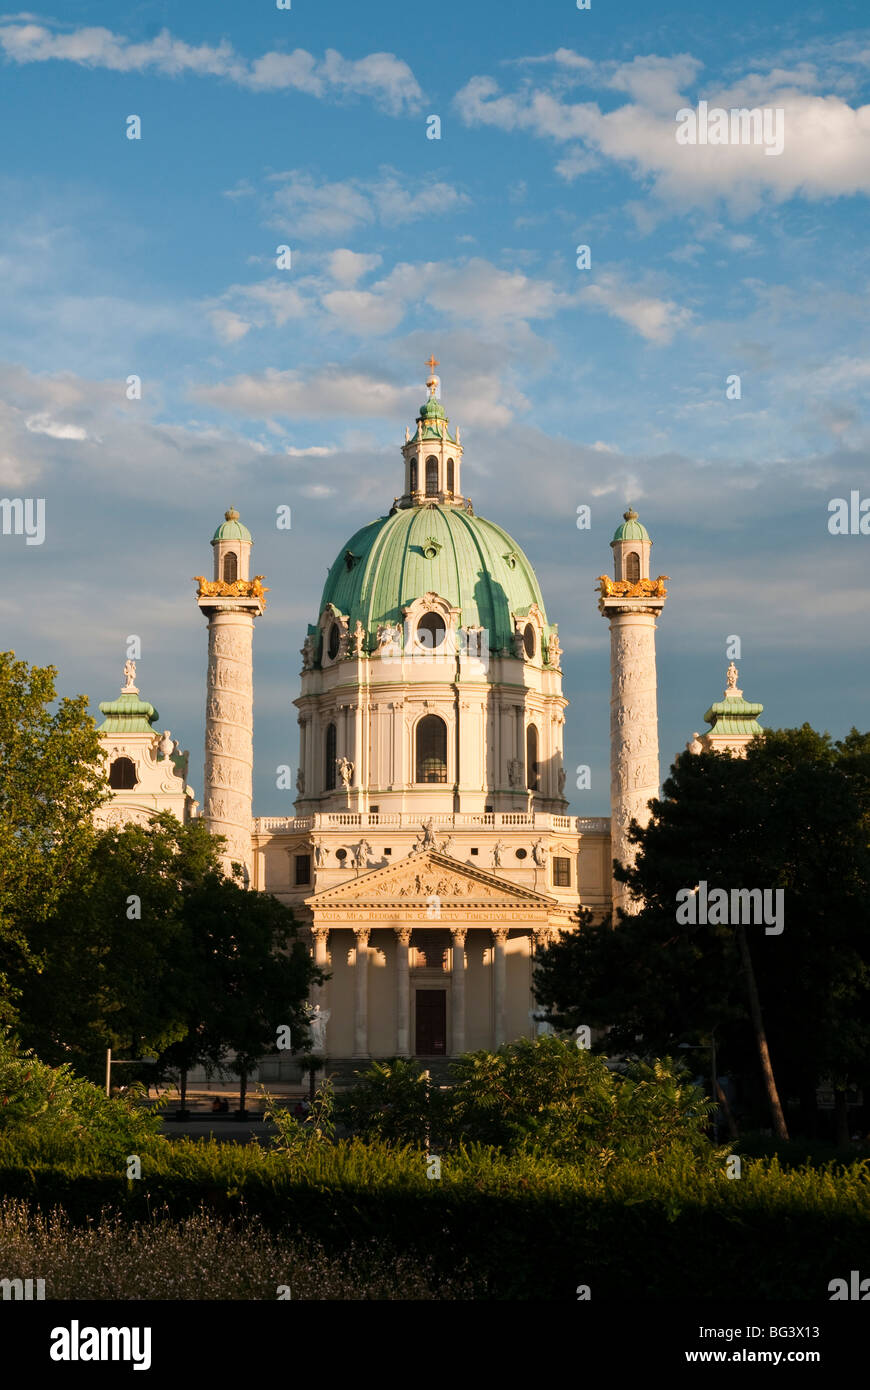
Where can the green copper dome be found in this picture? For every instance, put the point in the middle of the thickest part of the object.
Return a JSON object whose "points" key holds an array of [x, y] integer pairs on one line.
{"points": [[631, 529], [231, 529], [472, 563], [127, 715], [433, 410]]}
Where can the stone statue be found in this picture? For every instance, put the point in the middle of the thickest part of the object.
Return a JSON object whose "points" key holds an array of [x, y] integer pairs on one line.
{"points": [[358, 639], [515, 772], [389, 644], [307, 653], [554, 650], [427, 840], [539, 853], [562, 780], [496, 854], [345, 772], [317, 1021], [361, 854], [446, 845], [519, 649], [319, 854], [542, 1027], [300, 782], [731, 676], [129, 676]]}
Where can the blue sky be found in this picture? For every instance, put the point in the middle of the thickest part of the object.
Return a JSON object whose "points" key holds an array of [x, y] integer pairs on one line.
{"points": [[263, 387]]}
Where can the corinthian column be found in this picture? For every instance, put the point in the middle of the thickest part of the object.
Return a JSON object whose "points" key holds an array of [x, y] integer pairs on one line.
{"points": [[499, 937], [403, 993], [458, 991], [361, 994]]}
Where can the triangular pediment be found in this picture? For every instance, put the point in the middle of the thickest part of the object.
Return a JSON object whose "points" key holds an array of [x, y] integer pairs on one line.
{"points": [[419, 877]]}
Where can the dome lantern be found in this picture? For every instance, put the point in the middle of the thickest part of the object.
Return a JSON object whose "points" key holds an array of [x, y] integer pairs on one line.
{"points": [[631, 546], [432, 455]]}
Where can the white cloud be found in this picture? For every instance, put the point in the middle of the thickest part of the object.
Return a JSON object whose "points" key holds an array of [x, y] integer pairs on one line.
{"points": [[657, 320], [346, 267], [229, 327], [331, 391], [308, 209], [827, 142], [315, 451], [43, 424], [383, 77]]}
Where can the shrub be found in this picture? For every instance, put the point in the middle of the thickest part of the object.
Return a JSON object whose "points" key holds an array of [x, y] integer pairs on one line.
{"points": [[50, 1113]]}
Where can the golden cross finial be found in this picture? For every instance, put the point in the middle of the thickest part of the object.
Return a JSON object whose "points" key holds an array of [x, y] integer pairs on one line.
{"points": [[432, 364]]}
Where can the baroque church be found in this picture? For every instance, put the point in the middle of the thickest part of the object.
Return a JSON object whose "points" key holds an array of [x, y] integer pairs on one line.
{"points": [[431, 851]]}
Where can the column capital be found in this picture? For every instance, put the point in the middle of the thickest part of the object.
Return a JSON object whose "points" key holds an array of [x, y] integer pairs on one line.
{"points": [[362, 935], [500, 935], [459, 934], [319, 933], [543, 936], [403, 935]]}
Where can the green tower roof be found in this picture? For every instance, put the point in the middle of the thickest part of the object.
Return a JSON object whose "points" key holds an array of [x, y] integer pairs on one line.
{"points": [[631, 529], [231, 529], [433, 410], [127, 715], [472, 563]]}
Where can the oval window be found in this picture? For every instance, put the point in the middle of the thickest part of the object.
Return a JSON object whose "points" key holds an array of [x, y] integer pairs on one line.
{"points": [[529, 641], [431, 631], [334, 642]]}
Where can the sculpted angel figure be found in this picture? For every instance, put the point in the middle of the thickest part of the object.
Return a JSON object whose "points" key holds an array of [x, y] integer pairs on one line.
{"points": [[345, 771]]}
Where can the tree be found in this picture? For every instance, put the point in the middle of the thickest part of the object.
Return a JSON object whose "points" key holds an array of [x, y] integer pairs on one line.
{"points": [[793, 816], [251, 975], [50, 785], [117, 968]]}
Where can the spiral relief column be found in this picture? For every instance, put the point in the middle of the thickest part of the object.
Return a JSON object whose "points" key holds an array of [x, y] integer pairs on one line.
{"points": [[631, 601], [231, 601]]}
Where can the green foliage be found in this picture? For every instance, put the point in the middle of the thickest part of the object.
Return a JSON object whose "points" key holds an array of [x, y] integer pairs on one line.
{"points": [[207, 966], [550, 1097], [50, 784], [394, 1103], [792, 815], [49, 1114], [528, 1226], [294, 1136], [545, 1097]]}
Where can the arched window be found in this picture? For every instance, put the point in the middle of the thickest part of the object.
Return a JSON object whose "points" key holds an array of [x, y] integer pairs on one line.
{"points": [[412, 476], [431, 631], [529, 641], [450, 475], [231, 567], [532, 758], [329, 759], [431, 477], [334, 641], [431, 749], [632, 567], [122, 775]]}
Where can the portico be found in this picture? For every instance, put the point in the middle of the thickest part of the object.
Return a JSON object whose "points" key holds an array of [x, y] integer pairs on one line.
{"points": [[407, 946]]}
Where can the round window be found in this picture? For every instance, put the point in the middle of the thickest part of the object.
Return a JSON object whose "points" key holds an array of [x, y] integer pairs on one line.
{"points": [[334, 641], [529, 641], [522, 853], [341, 855]]}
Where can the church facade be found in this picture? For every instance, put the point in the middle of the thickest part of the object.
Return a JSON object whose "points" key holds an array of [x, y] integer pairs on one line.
{"points": [[431, 851]]}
